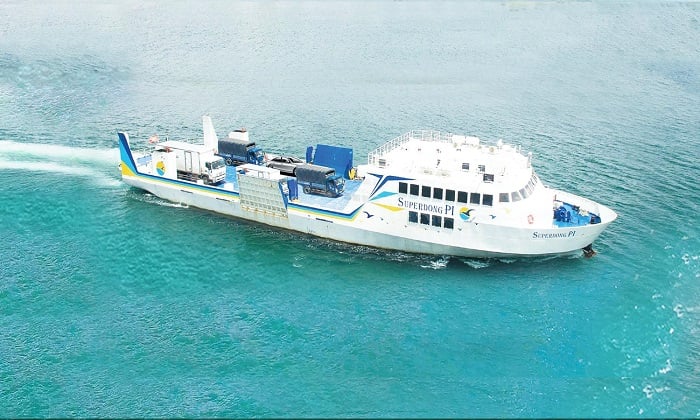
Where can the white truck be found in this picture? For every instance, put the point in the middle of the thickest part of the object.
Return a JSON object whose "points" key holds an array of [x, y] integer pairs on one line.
{"points": [[195, 162]]}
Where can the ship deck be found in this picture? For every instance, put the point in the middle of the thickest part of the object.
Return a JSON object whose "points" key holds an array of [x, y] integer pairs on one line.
{"points": [[575, 217], [230, 183]]}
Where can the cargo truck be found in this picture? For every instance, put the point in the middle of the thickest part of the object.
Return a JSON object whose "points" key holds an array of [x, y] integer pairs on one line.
{"points": [[195, 162], [320, 180], [238, 148]]}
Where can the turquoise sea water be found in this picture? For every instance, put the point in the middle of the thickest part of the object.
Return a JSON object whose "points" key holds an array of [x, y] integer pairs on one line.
{"points": [[116, 303]]}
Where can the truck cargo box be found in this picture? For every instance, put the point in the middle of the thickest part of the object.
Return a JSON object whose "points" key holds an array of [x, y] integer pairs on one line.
{"points": [[313, 173], [234, 146]]}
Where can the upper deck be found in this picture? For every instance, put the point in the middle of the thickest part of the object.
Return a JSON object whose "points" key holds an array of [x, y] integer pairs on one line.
{"points": [[436, 154]]}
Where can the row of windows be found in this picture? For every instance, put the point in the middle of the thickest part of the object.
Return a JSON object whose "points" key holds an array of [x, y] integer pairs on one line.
{"points": [[446, 194], [431, 219], [465, 197], [521, 194]]}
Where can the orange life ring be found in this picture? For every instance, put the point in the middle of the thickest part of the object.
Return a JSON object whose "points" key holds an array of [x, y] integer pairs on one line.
{"points": [[530, 219]]}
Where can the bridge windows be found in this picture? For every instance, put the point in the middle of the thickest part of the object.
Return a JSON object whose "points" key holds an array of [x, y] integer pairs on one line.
{"points": [[465, 197], [437, 220], [438, 193], [522, 193], [449, 223], [413, 216]]}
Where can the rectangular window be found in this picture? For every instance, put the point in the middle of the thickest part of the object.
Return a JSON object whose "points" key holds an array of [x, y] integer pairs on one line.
{"points": [[437, 193], [403, 188], [515, 196], [413, 216], [414, 189], [450, 195], [487, 200], [475, 198], [437, 220], [482, 169], [425, 192], [465, 166], [424, 219], [488, 177], [503, 197], [522, 193], [462, 197], [449, 223]]}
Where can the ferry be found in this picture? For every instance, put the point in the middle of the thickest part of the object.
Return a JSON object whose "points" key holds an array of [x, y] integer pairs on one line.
{"points": [[425, 192]]}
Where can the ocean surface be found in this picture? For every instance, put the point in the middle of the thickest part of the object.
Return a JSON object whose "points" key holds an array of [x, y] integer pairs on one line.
{"points": [[114, 303]]}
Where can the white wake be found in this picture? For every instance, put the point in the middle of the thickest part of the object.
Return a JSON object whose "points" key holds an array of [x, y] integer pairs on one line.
{"points": [[99, 165]]}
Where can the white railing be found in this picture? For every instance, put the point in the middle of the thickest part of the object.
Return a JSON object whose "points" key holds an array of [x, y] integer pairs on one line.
{"points": [[584, 203], [423, 135]]}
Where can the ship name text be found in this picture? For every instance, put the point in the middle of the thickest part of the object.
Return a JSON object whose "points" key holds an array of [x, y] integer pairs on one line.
{"points": [[539, 235], [443, 209]]}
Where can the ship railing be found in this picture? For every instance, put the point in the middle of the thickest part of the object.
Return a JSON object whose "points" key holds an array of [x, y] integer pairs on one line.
{"points": [[375, 156], [582, 202]]}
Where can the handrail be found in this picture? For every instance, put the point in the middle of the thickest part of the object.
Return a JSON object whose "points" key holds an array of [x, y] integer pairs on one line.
{"points": [[422, 135]]}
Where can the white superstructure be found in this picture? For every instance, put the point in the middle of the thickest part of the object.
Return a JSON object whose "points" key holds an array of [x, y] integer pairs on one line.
{"points": [[424, 192]]}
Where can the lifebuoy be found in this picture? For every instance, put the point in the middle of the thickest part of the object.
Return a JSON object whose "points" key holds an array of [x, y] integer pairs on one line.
{"points": [[530, 219]]}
